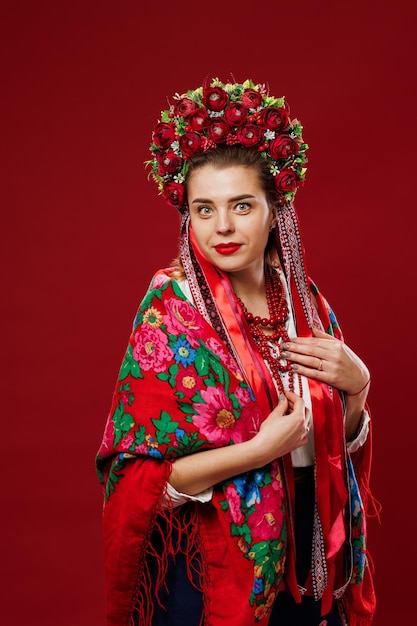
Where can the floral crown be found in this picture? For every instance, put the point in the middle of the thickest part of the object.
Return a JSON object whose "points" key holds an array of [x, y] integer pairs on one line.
{"points": [[219, 114]]}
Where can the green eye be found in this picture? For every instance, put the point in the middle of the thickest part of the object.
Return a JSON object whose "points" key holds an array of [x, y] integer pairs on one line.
{"points": [[204, 210]]}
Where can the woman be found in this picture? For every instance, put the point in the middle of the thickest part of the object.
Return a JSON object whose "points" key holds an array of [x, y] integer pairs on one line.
{"points": [[235, 460]]}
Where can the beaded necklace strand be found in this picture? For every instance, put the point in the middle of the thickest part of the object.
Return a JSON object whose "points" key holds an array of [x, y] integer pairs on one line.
{"points": [[270, 345]]}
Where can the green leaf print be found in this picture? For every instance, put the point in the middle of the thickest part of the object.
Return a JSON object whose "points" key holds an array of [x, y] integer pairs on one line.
{"points": [[130, 366], [201, 362], [187, 408], [123, 422], [165, 423], [140, 435]]}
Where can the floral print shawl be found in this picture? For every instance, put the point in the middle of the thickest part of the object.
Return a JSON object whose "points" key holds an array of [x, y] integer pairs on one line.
{"points": [[191, 381]]}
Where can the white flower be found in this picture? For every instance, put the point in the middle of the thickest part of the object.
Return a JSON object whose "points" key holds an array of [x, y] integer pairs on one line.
{"points": [[274, 169], [179, 178], [176, 146], [269, 134]]}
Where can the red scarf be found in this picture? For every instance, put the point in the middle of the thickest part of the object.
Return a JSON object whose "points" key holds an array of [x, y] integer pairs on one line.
{"points": [[183, 368]]}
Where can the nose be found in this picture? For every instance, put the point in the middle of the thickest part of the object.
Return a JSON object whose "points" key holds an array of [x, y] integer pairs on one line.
{"points": [[224, 223]]}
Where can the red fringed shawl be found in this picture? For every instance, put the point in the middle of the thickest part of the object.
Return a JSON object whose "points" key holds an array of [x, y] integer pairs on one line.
{"points": [[192, 379]]}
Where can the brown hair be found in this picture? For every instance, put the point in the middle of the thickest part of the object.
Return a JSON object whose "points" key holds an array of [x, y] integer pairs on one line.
{"points": [[228, 156]]}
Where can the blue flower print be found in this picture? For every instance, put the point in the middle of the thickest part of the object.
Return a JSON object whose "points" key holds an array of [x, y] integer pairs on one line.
{"points": [[179, 433], [248, 487], [183, 352], [258, 585]]}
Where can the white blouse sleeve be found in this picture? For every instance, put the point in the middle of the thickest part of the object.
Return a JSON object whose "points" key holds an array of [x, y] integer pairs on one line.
{"points": [[176, 498], [361, 437]]}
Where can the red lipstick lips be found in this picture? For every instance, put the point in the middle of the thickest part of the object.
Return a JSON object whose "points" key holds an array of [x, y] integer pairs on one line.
{"points": [[227, 248]]}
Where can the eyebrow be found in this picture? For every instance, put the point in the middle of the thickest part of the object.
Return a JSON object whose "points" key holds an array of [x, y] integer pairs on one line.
{"points": [[234, 199]]}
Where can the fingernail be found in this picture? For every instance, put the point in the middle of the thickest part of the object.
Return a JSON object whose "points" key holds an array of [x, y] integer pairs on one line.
{"points": [[294, 366], [285, 354], [286, 346]]}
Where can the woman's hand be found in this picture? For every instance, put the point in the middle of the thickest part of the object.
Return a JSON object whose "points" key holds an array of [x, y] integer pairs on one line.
{"points": [[331, 361], [284, 430], [328, 360]]}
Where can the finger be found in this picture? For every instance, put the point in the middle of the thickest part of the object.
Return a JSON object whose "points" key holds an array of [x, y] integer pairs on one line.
{"points": [[321, 375], [316, 360], [308, 347], [295, 401], [282, 406]]}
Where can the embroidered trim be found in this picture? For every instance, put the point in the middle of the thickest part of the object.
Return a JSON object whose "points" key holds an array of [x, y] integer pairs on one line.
{"points": [[318, 565], [293, 260]]}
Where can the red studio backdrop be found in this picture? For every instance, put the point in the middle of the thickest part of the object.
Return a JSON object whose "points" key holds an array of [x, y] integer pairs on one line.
{"points": [[83, 231]]}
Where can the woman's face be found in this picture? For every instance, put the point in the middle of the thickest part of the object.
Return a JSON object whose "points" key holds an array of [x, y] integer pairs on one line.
{"points": [[230, 217]]}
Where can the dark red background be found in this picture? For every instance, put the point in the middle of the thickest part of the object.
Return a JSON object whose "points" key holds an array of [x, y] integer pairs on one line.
{"points": [[83, 84]]}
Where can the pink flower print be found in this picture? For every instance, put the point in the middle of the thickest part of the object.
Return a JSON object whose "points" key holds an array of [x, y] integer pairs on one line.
{"points": [[159, 280], [252, 418], [109, 433], [243, 396], [233, 500], [188, 382], [215, 419], [276, 483], [127, 441], [124, 396], [266, 521], [151, 350], [215, 346], [231, 364], [181, 318]]}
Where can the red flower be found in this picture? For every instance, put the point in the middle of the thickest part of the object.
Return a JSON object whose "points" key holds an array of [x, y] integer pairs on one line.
{"points": [[267, 519], [251, 99], [236, 114], [273, 118], [188, 382], [250, 135], [190, 143], [184, 107], [215, 98], [286, 181], [168, 162], [282, 147], [174, 194], [163, 135], [218, 130], [198, 119]]}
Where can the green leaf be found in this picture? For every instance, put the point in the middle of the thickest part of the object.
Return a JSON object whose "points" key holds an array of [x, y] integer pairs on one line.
{"points": [[162, 437], [217, 368], [165, 423], [187, 408], [126, 422], [129, 366], [177, 290], [140, 435], [201, 362]]}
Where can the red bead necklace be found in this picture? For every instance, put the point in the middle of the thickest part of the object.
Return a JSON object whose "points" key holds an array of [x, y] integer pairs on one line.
{"points": [[270, 345]]}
